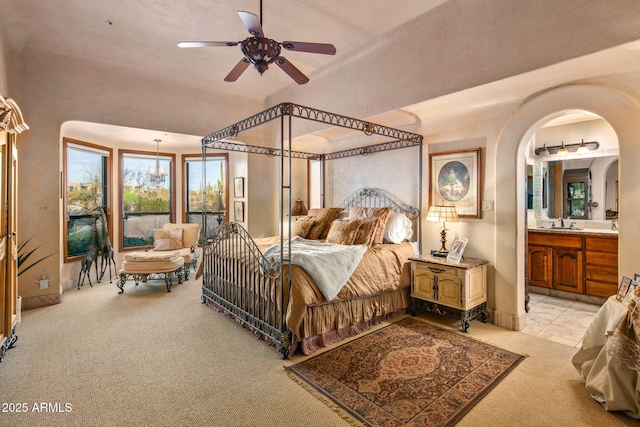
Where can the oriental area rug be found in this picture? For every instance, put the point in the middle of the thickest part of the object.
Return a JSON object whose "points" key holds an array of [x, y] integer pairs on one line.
{"points": [[409, 373]]}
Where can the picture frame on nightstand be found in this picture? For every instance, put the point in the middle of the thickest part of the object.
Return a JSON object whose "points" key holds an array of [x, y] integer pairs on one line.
{"points": [[457, 249], [631, 293], [623, 288]]}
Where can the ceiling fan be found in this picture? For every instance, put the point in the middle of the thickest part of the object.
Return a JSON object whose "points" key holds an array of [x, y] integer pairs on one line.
{"points": [[261, 51]]}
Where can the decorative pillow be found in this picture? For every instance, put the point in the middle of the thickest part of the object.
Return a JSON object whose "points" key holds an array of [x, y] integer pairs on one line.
{"points": [[381, 213], [324, 218], [343, 231], [190, 233], [366, 232], [399, 228], [343, 215], [302, 226], [167, 240]]}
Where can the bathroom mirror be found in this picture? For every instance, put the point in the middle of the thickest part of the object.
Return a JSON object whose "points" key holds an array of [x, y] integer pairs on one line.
{"points": [[600, 161], [603, 190]]}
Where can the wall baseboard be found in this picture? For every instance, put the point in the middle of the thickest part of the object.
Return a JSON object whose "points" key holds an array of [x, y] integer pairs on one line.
{"points": [[41, 301]]}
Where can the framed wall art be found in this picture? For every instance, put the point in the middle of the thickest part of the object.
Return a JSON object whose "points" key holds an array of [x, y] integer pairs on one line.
{"points": [[238, 187], [238, 211], [455, 180]]}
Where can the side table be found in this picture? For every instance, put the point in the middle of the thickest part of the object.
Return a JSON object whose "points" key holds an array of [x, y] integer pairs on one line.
{"points": [[447, 287]]}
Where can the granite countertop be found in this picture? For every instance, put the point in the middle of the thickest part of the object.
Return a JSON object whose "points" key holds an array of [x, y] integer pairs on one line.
{"points": [[580, 231], [465, 262]]}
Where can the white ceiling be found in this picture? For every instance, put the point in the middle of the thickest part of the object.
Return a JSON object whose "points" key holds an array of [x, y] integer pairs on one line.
{"points": [[142, 34], [119, 31]]}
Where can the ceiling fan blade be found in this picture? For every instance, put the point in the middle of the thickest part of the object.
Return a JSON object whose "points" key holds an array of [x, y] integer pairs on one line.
{"points": [[290, 69], [323, 48], [206, 44], [237, 70], [252, 22]]}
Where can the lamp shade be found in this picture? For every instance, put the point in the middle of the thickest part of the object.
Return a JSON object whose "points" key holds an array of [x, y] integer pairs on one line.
{"points": [[218, 204], [582, 148], [545, 151], [563, 151], [298, 208], [438, 213]]}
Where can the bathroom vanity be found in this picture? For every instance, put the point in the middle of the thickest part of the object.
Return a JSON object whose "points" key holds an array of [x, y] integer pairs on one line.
{"points": [[582, 261]]}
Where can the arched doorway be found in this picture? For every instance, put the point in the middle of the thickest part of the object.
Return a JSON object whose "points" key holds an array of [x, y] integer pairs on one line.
{"points": [[619, 110]]}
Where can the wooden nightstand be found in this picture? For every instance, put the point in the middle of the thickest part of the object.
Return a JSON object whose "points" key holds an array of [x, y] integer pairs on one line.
{"points": [[448, 288]]}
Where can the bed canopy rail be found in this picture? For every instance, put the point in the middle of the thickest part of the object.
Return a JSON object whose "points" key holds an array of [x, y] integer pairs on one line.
{"points": [[295, 110]]}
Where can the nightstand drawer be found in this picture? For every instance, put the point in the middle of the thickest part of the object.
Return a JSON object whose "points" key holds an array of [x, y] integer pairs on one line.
{"points": [[437, 269]]}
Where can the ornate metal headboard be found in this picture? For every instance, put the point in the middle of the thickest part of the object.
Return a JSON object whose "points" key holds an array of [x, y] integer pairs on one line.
{"points": [[377, 198]]}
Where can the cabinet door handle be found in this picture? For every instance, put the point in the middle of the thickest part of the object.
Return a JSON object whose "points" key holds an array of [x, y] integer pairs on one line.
{"points": [[436, 270], [435, 288]]}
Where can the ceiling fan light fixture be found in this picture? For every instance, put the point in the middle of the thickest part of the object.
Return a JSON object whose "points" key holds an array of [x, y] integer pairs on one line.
{"points": [[260, 51]]}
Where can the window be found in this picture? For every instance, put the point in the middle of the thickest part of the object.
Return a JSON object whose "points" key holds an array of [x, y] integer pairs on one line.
{"points": [[146, 203], [217, 178], [87, 168]]}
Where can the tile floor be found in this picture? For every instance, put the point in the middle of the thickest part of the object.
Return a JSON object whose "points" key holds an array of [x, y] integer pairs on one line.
{"points": [[560, 320]]}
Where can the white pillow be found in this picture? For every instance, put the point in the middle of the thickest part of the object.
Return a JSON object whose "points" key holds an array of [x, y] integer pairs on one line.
{"points": [[398, 229]]}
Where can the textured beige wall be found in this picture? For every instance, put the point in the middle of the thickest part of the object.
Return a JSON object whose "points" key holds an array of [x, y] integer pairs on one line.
{"points": [[4, 85]]}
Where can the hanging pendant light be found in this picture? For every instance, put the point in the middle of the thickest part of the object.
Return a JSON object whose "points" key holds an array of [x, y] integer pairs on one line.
{"points": [[157, 173]]}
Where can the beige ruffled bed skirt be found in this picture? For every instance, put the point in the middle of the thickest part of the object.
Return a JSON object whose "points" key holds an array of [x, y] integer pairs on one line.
{"points": [[328, 323]]}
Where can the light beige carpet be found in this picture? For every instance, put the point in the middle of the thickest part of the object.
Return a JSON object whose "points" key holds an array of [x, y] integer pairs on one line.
{"points": [[152, 358]]}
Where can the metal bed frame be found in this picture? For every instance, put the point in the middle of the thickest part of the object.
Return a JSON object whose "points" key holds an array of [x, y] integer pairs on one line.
{"points": [[237, 279]]}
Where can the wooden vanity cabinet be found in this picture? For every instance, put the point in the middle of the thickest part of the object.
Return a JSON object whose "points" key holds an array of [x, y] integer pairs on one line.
{"points": [[601, 265], [567, 270], [540, 266], [571, 262], [555, 261]]}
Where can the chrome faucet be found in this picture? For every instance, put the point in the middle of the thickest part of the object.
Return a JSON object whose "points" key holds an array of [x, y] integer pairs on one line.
{"points": [[562, 222]]}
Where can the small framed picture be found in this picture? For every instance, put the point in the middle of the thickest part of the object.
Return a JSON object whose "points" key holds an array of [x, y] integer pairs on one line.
{"points": [[457, 249], [238, 211], [623, 288], [238, 187], [631, 293]]}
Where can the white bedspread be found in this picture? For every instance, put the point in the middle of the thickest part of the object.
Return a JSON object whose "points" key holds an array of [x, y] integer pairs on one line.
{"points": [[329, 265]]}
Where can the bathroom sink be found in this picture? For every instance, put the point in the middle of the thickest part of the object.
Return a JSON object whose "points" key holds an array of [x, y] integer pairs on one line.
{"points": [[561, 228]]}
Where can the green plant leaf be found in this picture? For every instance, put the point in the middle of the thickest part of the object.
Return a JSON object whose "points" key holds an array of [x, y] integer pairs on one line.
{"points": [[23, 257]]}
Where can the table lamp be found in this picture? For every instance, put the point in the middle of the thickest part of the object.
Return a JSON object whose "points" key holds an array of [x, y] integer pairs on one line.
{"points": [[443, 214], [218, 207], [298, 208]]}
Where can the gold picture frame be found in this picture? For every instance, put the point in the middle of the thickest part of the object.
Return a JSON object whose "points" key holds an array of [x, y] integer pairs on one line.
{"points": [[455, 180]]}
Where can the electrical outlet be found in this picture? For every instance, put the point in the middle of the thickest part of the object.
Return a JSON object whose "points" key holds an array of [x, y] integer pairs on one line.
{"points": [[487, 205]]}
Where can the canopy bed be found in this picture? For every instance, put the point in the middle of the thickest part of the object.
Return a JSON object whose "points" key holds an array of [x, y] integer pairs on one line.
{"points": [[276, 286]]}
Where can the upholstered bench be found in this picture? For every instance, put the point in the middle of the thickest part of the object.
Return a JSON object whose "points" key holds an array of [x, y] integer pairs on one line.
{"points": [[142, 265]]}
